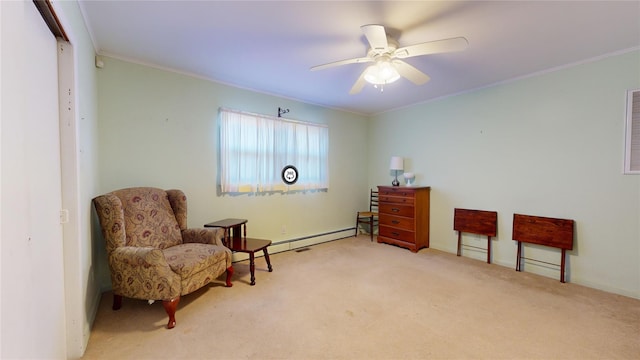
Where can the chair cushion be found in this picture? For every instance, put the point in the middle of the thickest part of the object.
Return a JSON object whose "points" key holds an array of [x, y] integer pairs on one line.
{"points": [[148, 217], [191, 258]]}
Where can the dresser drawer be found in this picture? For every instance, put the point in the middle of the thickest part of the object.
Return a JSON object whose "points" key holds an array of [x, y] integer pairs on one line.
{"points": [[398, 210], [396, 192], [394, 233], [396, 200], [397, 222]]}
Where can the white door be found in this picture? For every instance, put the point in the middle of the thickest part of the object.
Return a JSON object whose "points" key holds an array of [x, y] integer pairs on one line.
{"points": [[32, 306]]}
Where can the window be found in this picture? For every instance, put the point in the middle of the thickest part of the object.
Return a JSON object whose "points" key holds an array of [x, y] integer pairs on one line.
{"points": [[632, 138], [255, 148]]}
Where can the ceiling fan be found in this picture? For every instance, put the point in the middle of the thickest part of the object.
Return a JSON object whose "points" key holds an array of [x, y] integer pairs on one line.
{"points": [[386, 56]]}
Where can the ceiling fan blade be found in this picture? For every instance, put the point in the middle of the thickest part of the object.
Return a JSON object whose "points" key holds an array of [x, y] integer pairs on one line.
{"points": [[432, 47], [342, 62], [377, 37], [358, 85], [411, 73]]}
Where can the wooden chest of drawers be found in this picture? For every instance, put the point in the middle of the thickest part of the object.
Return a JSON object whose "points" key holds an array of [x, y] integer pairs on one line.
{"points": [[403, 215]]}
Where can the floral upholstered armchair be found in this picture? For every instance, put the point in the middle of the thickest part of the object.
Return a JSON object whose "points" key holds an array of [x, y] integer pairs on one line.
{"points": [[152, 255]]}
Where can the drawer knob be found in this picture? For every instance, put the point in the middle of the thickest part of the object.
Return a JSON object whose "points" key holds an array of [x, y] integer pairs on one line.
{"points": [[395, 234], [395, 209]]}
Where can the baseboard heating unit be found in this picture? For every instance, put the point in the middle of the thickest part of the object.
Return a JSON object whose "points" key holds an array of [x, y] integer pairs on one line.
{"points": [[301, 242]]}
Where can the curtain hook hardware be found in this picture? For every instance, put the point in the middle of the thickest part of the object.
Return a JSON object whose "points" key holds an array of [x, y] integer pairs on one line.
{"points": [[282, 111]]}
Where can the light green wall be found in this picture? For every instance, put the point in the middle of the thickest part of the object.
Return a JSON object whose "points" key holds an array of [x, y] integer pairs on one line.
{"points": [[158, 128], [548, 145]]}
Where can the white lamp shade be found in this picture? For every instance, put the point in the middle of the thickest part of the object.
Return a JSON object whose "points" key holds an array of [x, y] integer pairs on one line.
{"points": [[396, 163]]}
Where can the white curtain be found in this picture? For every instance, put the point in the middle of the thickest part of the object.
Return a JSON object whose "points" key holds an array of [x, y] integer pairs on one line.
{"points": [[255, 148]]}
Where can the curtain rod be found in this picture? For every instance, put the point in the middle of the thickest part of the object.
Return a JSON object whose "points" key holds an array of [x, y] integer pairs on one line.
{"points": [[272, 117]]}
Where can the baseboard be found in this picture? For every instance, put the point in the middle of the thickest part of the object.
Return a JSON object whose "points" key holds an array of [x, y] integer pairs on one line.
{"points": [[95, 304], [92, 313], [302, 242]]}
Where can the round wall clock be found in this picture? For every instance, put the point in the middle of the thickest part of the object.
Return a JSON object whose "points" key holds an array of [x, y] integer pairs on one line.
{"points": [[289, 174]]}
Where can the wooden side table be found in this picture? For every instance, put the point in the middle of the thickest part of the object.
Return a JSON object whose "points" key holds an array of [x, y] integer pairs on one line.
{"points": [[250, 246], [235, 238], [233, 228]]}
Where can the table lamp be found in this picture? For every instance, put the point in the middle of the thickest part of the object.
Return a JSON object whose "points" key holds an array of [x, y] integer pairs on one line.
{"points": [[396, 165]]}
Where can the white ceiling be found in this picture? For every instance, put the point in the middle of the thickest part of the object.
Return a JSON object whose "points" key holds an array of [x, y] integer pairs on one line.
{"points": [[269, 46]]}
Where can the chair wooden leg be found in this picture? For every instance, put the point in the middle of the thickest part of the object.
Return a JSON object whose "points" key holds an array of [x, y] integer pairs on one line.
{"points": [[371, 227], [117, 302], [170, 307], [229, 273], [357, 222]]}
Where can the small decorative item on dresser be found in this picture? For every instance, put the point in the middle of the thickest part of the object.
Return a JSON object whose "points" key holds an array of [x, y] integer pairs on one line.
{"points": [[396, 165], [409, 178]]}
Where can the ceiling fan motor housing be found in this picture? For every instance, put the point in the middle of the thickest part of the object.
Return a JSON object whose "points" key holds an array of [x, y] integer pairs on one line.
{"points": [[392, 45]]}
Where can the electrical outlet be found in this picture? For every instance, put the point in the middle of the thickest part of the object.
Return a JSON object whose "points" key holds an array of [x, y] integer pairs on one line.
{"points": [[283, 230]]}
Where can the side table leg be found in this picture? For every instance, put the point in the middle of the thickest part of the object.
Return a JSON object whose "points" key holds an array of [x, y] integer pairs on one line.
{"points": [[519, 256], [266, 257], [252, 267], [562, 265]]}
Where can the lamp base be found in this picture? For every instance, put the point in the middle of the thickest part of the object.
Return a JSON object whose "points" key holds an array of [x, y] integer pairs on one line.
{"points": [[395, 182]]}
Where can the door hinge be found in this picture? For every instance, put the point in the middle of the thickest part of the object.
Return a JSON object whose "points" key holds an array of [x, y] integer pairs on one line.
{"points": [[64, 216]]}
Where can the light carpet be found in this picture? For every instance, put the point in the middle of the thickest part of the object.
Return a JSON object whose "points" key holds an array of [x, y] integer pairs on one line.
{"points": [[356, 299]]}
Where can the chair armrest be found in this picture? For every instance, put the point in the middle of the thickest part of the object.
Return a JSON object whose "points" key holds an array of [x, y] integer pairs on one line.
{"points": [[205, 236], [143, 273]]}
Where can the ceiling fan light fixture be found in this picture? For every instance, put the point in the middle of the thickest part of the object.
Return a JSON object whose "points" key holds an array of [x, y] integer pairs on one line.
{"points": [[388, 58], [381, 73]]}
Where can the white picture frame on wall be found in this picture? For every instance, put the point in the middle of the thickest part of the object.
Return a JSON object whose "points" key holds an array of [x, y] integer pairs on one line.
{"points": [[632, 133]]}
